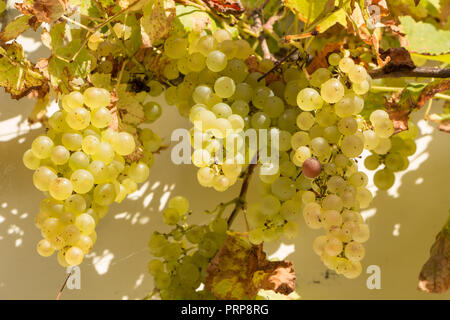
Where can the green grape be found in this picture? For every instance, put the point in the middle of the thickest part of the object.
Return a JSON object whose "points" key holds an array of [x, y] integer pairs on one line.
{"points": [[75, 204], [74, 256], [124, 144], [237, 70], [348, 126], [273, 106], [371, 140], [378, 116], [305, 120], [152, 111], [30, 160], [332, 202], [299, 139], [221, 183], [138, 172], [243, 49], [78, 160], [357, 74], [255, 81], [42, 147], [170, 70], [72, 141], [104, 152], [57, 121], [384, 179], [206, 44], [90, 144], [346, 64], [372, 162], [332, 134], [224, 87], [85, 243], [365, 197], [171, 95], [409, 147], [334, 59], [196, 62], [96, 98], [237, 122], [320, 76], [256, 236], [59, 155], [384, 128], [180, 204], [229, 48], [216, 61], [383, 147], [361, 233], [171, 216], [332, 91], [291, 74], [101, 117], [260, 96], [104, 194], [394, 161], [183, 65], [333, 246], [60, 188], [312, 215], [331, 218], [361, 88], [260, 120], [175, 47], [309, 99], [205, 176], [243, 92], [43, 177], [291, 210], [85, 223], [44, 248], [283, 188], [72, 100], [326, 116], [320, 147], [352, 146], [270, 205], [99, 171]]}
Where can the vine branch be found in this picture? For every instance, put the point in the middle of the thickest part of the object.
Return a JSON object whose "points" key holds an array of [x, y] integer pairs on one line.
{"points": [[240, 203], [419, 72]]}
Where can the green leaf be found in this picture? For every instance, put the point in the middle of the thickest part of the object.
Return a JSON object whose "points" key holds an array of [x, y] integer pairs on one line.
{"points": [[101, 80], [2, 6], [307, 10], [157, 20], [17, 75], [190, 18], [442, 57], [18, 26], [135, 41], [339, 16], [129, 105], [425, 38]]}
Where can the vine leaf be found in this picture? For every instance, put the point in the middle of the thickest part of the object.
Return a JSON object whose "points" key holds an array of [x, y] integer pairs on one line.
{"points": [[18, 26], [306, 10], [435, 274], [190, 18], [17, 75], [443, 119], [45, 10], [396, 59], [321, 59], [424, 38], [129, 105], [157, 20], [239, 270], [413, 96]]}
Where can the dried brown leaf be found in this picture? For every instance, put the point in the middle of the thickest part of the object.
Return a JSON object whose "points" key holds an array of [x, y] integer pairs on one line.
{"points": [[321, 59], [45, 10], [239, 270], [396, 59], [435, 274], [226, 6], [444, 126], [431, 90]]}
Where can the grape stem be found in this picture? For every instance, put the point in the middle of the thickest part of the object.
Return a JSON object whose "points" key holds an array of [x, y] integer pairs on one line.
{"points": [[58, 296], [258, 27], [419, 72], [278, 64], [241, 200]]}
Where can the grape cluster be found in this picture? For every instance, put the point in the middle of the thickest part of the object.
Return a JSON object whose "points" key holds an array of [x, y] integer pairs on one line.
{"points": [[318, 175], [394, 156], [182, 255], [215, 94], [80, 165]]}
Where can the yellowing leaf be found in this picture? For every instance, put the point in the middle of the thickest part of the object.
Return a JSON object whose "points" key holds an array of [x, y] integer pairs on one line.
{"points": [[157, 20], [44, 10], [17, 75], [307, 10], [338, 16], [424, 37], [190, 18], [240, 270], [18, 26]]}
